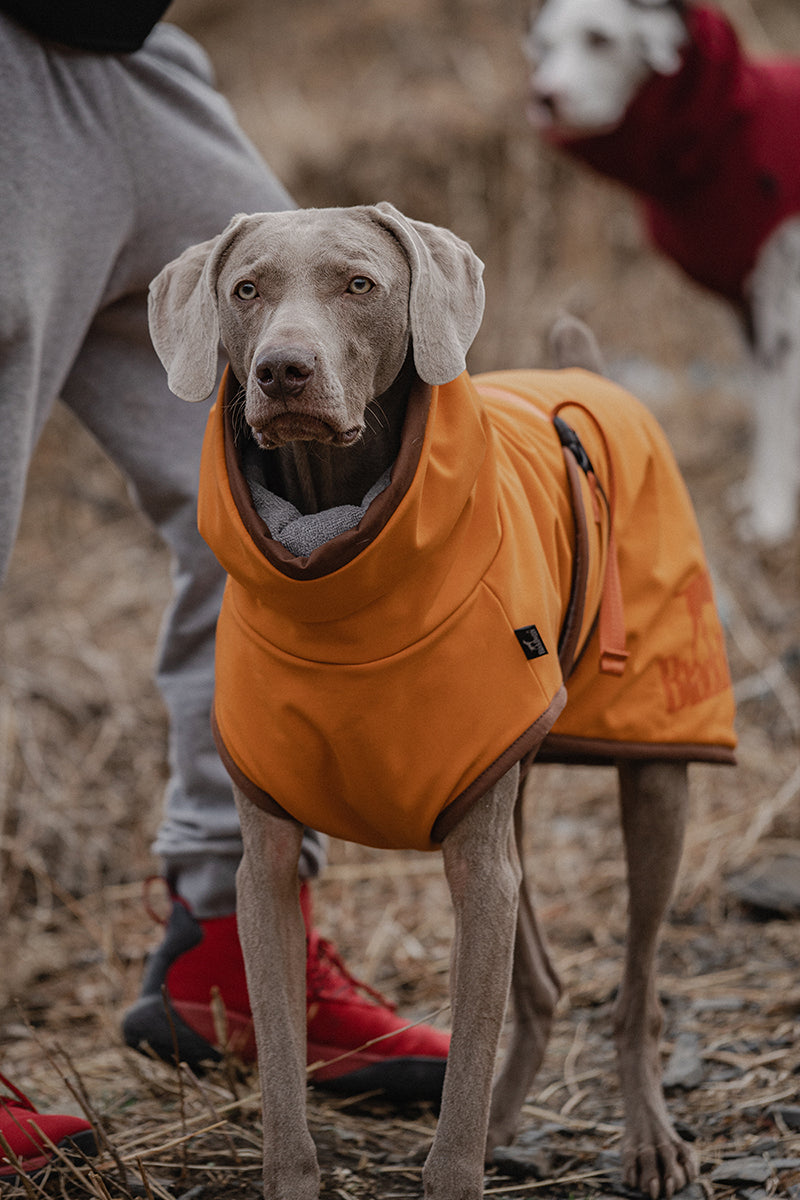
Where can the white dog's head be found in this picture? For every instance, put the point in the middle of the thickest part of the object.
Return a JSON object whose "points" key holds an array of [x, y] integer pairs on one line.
{"points": [[589, 58]]}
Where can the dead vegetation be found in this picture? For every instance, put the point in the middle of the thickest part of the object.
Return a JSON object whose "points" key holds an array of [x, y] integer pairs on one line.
{"points": [[418, 103]]}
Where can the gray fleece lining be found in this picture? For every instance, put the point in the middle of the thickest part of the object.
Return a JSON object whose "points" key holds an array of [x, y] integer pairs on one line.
{"points": [[302, 534]]}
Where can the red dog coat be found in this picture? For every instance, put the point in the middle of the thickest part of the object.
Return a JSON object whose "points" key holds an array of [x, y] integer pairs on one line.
{"points": [[714, 151]]}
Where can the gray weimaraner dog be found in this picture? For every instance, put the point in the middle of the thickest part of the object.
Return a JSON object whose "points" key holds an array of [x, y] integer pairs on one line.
{"points": [[325, 315]]}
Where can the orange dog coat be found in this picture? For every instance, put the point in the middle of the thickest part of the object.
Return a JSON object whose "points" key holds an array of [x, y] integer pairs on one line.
{"points": [[377, 687]]}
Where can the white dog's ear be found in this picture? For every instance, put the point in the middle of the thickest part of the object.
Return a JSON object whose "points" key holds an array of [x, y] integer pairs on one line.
{"points": [[662, 34], [447, 297], [183, 318]]}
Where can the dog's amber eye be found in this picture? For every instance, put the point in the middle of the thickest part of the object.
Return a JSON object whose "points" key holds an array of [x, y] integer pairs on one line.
{"points": [[359, 285], [246, 290]]}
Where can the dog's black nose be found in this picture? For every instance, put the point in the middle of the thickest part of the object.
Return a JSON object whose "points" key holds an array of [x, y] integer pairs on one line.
{"points": [[284, 371]]}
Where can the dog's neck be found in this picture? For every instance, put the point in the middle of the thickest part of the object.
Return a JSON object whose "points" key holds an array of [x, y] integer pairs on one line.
{"points": [[314, 476]]}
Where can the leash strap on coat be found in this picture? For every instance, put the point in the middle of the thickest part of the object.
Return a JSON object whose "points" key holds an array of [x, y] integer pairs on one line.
{"points": [[611, 624], [576, 605]]}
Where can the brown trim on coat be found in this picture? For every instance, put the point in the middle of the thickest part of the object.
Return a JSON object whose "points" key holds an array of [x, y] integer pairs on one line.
{"points": [[599, 752], [252, 791], [522, 750]]}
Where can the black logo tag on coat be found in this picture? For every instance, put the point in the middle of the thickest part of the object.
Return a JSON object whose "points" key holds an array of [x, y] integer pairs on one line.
{"points": [[531, 641]]}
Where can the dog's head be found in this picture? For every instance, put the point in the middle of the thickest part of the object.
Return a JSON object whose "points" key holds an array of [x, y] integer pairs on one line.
{"points": [[315, 309], [590, 57]]}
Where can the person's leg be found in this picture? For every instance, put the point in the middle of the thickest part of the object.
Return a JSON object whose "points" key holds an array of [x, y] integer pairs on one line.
{"points": [[189, 170]]}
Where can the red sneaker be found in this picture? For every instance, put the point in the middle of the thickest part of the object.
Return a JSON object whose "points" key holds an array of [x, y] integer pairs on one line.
{"points": [[356, 1042], [21, 1130], [352, 1030]]}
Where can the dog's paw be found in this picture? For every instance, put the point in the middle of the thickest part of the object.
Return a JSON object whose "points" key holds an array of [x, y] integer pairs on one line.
{"points": [[662, 1168]]}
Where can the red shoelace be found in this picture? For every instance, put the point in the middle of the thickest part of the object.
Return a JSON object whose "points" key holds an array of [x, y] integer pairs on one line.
{"points": [[327, 977]]}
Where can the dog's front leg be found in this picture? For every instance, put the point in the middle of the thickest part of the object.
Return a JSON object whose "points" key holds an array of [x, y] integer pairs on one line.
{"points": [[535, 990], [483, 874], [273, 942], [654, 798]]}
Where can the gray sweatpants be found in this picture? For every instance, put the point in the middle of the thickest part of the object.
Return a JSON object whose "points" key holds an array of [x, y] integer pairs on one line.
{"points": [[110, 165]]}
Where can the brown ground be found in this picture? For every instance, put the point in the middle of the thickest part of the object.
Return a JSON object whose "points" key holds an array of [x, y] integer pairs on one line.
{"points": [[420, 103]]}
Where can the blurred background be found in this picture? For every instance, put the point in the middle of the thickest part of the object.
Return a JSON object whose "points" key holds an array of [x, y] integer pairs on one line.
{"points": [[420, 103]]}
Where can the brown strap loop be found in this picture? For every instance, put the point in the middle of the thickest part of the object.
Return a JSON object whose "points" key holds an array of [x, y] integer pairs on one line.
{"points": [[613, 654], [576, 605]]}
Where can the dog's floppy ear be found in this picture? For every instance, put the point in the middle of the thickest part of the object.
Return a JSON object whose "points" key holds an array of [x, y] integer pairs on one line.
{"points": [[182, 312], [662, 32], [447, 297]]}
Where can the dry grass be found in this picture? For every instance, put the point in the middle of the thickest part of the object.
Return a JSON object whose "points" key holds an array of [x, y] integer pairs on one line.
{"points": [[423, 107]]}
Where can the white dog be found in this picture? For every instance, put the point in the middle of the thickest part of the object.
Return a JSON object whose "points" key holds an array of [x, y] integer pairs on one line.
{"points": [[659, 95]]}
